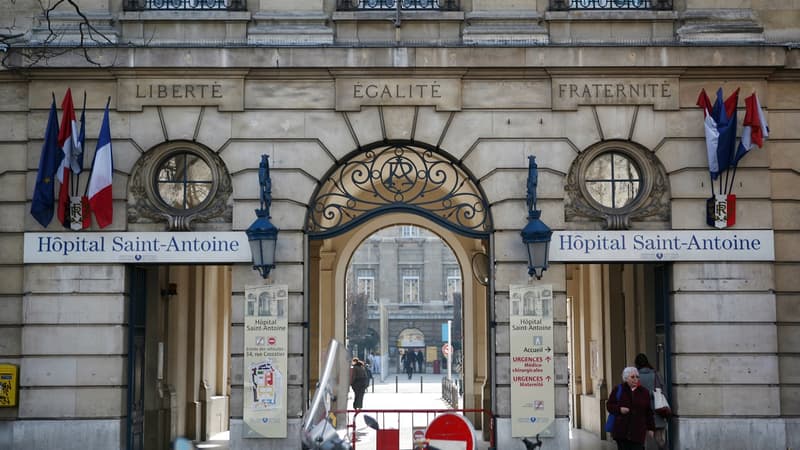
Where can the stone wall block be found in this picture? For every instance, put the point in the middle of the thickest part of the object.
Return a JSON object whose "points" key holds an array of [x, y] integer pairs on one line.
{"points": [[788, 336], [311, 156], [725, 369], [14, 188], [782, 124], [13, 219], [727, 400], [489, 155], [786, 278], [787, 246], [505, 94], [12, 280], [784, 185], [74, 309], [615, 121], [398, 122], [724, 338], [71, 402], [289, 274], [181, 121], [73, 371], [15, 155], [245, 155], [509, 246], [503, 401], [215, 128], [10, 341], [144, 128], [723, 307], [430, 125], [750, 183], [331, 132], [268, 125], [14, 95], [11, 246], [682, 154], [10, 310], [692, 276], [510, 215], [36, 434], [790, 400], [785, 215], [60, 340], [464, 130], [300, 94], [291, 184], [15, 126], [729, 432], [285, 215], [691, 214], [789, 369], [125, 156], [788, 307], [781, 154], [366, 125]]}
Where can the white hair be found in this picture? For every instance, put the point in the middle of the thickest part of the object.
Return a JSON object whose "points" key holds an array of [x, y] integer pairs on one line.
{"points": [[626, 372]]}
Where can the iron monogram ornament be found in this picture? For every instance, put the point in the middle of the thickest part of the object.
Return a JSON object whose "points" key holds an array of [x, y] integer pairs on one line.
{"points": [[398, 177]]}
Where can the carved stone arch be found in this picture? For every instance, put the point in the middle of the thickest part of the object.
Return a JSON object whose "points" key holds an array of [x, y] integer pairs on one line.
{"points": [[398, 176], [651, 204]]}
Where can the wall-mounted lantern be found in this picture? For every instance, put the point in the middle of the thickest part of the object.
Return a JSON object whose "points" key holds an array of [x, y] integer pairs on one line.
{"points": [[536, 234], [262, 234]]}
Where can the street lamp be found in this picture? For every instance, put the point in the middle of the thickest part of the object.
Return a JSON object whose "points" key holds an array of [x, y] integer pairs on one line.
{"points": [[536, 235], [262, 234]]}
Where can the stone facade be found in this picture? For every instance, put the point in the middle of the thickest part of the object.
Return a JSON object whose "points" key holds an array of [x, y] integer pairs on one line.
{"points": [[310, 84]]}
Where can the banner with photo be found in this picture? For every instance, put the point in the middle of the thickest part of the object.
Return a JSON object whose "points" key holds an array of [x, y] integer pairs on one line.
{"points": [[266, 346], [532, 373]]}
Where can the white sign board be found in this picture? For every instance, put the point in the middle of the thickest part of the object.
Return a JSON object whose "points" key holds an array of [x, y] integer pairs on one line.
{"points": [[145, 247], [266, 347], [662, 245], [532, 366]]}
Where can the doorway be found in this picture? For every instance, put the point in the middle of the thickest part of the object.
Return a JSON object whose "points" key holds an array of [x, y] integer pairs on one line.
{"points": [[178, 354], [614, 312]]}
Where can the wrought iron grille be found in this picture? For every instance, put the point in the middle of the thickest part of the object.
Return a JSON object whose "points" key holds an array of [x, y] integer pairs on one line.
{"points": [[398, 177], [185, 5], [566, 5], [368, 5]]}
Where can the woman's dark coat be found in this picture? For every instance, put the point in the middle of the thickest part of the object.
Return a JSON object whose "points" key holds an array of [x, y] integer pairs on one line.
{"points": [[634, 425]]}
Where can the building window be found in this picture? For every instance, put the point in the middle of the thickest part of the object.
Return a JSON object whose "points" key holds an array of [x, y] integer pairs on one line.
{"points": [[452, 283], [370, 5], [184, 180], [180, 183], [184, 5], [409, 231], [618, 182], [365, 280], [410, 279], [613, 180], [566, 5]]}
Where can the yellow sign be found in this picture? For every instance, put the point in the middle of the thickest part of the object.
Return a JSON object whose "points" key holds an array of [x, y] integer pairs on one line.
{"points": [[532, 365], [266, 346], [8, 385]]}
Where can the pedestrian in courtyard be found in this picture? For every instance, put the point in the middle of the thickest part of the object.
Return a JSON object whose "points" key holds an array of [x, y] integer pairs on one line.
{"points": [[420, 360], [633, 411], [648, 377], [408, 362], [359, 380]]}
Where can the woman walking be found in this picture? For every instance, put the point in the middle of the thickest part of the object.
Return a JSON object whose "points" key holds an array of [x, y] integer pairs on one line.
{"points": [[648, 377], [633, 411]]}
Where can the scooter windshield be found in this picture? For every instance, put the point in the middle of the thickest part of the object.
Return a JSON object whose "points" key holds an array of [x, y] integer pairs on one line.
{"points": [[322, 421]]}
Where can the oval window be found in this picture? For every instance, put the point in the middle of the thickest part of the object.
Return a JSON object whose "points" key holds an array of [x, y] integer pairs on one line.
{"points": [[613, 180], [184, 180]]}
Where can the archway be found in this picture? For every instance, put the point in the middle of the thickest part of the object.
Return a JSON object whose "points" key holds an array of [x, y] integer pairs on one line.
{"points": [[386, 184]]}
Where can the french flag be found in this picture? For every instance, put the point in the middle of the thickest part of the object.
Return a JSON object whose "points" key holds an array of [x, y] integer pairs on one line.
{"points": [[68, 142], [99, 187], [720, 130], [755, 130]]}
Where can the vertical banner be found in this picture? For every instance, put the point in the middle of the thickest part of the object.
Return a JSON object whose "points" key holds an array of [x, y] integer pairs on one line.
{"points": [[266, 326], [532, 383]]}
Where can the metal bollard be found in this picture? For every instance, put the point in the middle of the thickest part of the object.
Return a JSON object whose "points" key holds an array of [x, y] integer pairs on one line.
{"points": [[420, 385], [396, 384]]}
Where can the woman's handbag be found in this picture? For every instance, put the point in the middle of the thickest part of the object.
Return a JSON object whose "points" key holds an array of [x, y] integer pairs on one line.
{"points": [[660, 404], [611, 417]]}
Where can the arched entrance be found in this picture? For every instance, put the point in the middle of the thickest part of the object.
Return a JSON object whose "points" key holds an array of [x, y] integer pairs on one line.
{"points": [[386, 184]]}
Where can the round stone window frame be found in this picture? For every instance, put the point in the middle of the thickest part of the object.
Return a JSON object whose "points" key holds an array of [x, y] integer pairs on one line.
{"points": [[146, 202], [650, 204]]}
